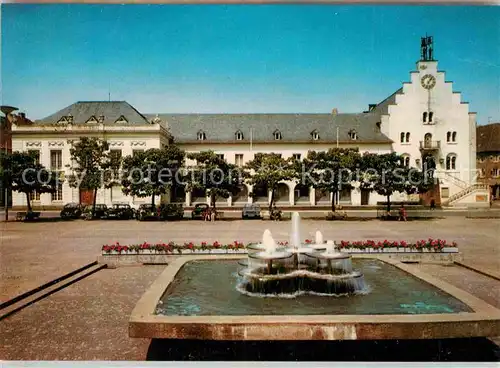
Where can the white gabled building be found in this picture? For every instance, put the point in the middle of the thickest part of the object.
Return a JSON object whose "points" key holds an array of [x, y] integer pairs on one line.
{"points": [[424, 120]]}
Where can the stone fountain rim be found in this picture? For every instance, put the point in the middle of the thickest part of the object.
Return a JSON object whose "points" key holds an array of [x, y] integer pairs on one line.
{"points": [[484, 320]]}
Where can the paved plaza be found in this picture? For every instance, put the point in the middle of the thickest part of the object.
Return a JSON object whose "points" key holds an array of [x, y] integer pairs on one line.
{"points": [[88, 320]]}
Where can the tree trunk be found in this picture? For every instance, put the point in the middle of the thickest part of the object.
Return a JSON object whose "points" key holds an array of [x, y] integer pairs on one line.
{"points": [[212, 200], [334, 199], [94, 201], [271, 202], [28, 201], [153, 200], [388, 203]]}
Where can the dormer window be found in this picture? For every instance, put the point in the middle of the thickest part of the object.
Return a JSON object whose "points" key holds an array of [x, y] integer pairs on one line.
{"points": [[201, 136], [238, 135], [277, 135], [92, 120], [315, 135], [353, 135], [63, 120], [120, 120]]}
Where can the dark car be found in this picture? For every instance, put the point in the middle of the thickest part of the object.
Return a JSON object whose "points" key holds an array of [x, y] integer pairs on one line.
{"points": [[148, 212], [171, 211], [101, 211], [199, 211], [120, 211], [251, 210], [71, 211]]}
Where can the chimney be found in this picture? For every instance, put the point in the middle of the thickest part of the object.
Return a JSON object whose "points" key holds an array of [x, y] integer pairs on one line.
{"points": [[101, 119], [70, 119], [335, 111]]}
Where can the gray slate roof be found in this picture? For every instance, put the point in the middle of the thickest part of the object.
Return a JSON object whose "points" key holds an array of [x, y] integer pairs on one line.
{"points": [[383, 107], [293, 127], [82, 111]]}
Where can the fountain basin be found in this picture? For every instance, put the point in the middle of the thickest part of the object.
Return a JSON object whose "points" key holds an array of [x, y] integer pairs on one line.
{"points": [[264, 321]]}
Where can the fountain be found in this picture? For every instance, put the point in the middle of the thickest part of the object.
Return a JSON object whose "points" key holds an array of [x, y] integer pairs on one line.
{"points": [[318, 268]]}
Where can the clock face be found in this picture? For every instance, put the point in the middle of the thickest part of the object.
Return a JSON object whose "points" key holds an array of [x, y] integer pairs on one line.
{"points": [[428, 81]]}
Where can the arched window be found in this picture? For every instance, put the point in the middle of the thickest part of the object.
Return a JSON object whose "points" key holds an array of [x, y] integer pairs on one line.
{"points": [[406, 160], [448, 137], [277, 135], [431, 114], [353, 134], [239, 135], [454, 136], [424, 117], [402, 137], [201, 136], [315, 135], [408, 137], [451, 161]]}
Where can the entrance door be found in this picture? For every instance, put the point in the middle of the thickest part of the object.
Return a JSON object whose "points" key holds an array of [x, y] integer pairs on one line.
{"points": [[86, 197], [428, 140], [365, 197]]}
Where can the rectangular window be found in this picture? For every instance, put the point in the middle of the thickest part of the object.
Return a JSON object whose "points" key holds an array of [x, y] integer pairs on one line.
{"points": [[296, 156], [220, 155], [495, 172], [445, 192], [56, 160], [345, 195], [135, 152], [115, 153], [238, 159], [34, 196], [36, 153], [57, 195]]}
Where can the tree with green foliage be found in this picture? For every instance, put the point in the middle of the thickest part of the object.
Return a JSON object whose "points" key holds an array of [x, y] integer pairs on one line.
{"points": [[214, 175], [386, 174], [269, 170], [153, 172], [90, 166], [21, 172], [330, 171]]}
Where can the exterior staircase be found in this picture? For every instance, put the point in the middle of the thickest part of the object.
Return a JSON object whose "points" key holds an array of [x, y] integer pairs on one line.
{"points": [[457, 181], [466, 191]]}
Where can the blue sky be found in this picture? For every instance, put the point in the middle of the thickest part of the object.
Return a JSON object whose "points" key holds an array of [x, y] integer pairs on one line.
{"points": [[241, 58]]}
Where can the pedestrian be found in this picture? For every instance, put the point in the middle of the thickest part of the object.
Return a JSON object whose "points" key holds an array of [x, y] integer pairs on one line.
{"points": [[433, 204], [402, 213]]}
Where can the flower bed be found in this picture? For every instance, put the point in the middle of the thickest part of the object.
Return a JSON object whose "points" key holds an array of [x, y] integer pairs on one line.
{"points": [[365, 246]]}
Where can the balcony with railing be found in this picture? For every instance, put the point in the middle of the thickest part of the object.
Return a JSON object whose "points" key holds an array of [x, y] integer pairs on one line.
{"points": [[430, 145]]}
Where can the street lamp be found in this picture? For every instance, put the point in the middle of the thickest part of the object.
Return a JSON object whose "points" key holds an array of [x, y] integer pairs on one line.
{"points": [[7, 110]]}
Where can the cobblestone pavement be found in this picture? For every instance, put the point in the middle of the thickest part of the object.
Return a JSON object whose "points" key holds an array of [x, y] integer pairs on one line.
{"points": [[88, 320], [34, 253]]}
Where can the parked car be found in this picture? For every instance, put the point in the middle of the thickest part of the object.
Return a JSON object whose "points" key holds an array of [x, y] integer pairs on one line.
{"points": [[251, 210], [72, 211], [172, 211], [121, 211], [101, 211], [148, 212], [199, 211]]}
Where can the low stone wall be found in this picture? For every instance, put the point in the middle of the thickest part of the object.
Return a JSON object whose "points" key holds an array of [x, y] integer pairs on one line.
{"points": [[449, 256]]}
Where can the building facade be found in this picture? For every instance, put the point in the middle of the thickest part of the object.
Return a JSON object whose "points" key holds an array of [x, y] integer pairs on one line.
{"points": [[424, 120], [488, 157]]}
